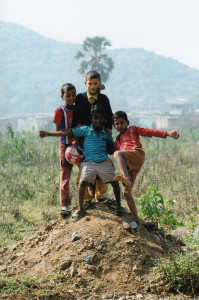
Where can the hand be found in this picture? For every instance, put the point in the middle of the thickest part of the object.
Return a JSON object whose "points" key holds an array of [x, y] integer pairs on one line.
{"points": [[43, 134], [101, 87], [109, 131], [174, 134], [75, 142]]}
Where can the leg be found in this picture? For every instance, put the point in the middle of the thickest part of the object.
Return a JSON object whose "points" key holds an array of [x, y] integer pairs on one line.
{"points": [[81, 192], [119, 157], [80, 213], [131, 203], [119, 210], [66, 168], [101, 190], [89, 191]]}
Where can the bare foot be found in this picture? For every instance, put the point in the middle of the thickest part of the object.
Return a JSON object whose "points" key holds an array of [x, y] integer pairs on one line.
{"points": [[122, 179]]}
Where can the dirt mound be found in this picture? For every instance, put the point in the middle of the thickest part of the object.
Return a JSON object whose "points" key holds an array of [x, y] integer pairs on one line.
{"points": [[100, 250]]}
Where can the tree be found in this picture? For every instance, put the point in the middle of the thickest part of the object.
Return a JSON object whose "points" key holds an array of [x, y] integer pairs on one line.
{"points": [[92, 49]]}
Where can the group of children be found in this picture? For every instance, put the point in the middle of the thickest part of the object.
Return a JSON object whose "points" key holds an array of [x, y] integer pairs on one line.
{"points": [[88, 116]]}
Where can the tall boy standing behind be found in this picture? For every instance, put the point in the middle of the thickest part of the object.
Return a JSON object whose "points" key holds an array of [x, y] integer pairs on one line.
{"points": [[82, 116]]}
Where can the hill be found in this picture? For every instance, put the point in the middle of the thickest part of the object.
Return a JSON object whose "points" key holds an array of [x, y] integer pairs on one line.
{"points": [[94, 258], [34, 67]]}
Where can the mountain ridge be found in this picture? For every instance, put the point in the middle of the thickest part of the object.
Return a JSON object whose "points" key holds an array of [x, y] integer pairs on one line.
{"points": [[34, 67]]}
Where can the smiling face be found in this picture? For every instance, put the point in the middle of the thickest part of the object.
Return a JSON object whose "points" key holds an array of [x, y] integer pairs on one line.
{"points": [[92, 85], [120, 124], [69, 97], [98, 120]]}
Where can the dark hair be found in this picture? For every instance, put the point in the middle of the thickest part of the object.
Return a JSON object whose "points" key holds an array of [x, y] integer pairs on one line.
{"points": [[97, 109], [92, 74], [120, 114], [67, 87]]}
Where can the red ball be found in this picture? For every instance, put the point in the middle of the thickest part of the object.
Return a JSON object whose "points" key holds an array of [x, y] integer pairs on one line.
{"points": [[74, 154]]}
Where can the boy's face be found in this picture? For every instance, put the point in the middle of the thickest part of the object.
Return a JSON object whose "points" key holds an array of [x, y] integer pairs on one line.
{"points": [[92, 85], [98, 120], [120, 124], [69, 97]]}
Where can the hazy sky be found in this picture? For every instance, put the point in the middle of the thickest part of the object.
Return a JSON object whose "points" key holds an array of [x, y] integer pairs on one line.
{"points": [[167, 27]]}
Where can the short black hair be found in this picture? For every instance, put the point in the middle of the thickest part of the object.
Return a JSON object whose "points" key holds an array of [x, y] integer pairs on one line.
{"points": [[120, 114], [97, 109], [67, 87], [92, 74]]}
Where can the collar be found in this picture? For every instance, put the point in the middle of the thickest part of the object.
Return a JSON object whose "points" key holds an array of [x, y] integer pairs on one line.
{"points": [[102, 130], [95, 96]]}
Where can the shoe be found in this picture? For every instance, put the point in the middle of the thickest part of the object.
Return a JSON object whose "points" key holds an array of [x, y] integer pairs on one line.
{"points": [[65, 210], [119, 210], [78, 214], [88, 204]]}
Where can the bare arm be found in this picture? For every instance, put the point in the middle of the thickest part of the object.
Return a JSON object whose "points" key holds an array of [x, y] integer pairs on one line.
{"points": [[173, 134], [66, 132]]}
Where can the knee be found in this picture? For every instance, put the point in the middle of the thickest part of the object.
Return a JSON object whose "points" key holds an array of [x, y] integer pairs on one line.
{"points": [[127, 193], [115, 184], [117, 154], [83, 184]]}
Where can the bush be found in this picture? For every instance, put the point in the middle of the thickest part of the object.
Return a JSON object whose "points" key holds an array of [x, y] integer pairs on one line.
{"points": [[153, 207], [181, 271]]}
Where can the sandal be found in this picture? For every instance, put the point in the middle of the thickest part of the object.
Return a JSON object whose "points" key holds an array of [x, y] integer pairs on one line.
{"points": [[88, 204], [78, 214], [65, 210], [119, 210], [122, 179]]}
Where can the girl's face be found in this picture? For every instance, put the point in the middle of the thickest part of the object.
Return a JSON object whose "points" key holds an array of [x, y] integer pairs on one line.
{"points": [[69, 97], [121, 125], [98, 120]]}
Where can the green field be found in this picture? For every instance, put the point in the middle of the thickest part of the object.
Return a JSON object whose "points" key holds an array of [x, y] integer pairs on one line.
{"points": [[29, 173]]}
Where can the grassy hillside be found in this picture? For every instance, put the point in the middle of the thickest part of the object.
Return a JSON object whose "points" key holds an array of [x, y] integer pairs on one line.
{"points": [[34, 67]]}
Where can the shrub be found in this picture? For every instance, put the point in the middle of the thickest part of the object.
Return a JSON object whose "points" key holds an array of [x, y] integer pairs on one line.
{"points": [[181, 271], [153, 207]]}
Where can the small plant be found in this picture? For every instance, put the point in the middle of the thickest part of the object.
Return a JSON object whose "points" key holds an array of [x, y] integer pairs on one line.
{"points": [[181, 271], [153, 207]]}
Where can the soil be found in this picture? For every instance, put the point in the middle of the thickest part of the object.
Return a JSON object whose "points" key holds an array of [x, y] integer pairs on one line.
{"points": [[120, 265]]}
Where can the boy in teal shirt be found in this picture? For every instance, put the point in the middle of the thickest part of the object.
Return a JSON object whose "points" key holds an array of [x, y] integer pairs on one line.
{"points": [[96, 162]]}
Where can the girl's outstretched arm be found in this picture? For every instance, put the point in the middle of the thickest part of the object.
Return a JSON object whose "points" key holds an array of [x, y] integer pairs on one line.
{"points": [[66, 132]]}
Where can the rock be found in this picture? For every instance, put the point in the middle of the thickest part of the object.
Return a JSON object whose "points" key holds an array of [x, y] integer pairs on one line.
{"points": [[20, 254], [155, 246], [181, 232], [48, 227], [88, 257], [58, 247], [129, 241], [126, 226], [75, 236], [3, 250], [45, 252], [139, 296], [99, 248], [72, 270], [65, 263], [133, 226]]}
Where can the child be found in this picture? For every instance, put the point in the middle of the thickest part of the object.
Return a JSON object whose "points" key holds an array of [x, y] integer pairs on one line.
{"points": [[63, 120], [96, 163], [130, 156], [82, 116]]}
